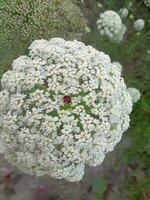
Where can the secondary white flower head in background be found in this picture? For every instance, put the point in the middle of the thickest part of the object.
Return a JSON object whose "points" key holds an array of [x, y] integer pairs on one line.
{"points": [[123, 12], [134, 93], [110, 25], [99, 5], [139, 24], [147, 3], [130, 4], [63, 106], [118, 64]]}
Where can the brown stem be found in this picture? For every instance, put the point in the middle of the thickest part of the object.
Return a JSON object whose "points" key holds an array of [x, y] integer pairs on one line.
{"points": [[142, 190]]}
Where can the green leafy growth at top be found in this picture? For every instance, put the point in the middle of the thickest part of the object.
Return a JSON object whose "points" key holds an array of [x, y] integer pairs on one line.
{"points": [[99, 186]]}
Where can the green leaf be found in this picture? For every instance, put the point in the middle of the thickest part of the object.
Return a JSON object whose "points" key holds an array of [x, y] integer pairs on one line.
{"points": [[66, 106], [93, 198], [100, 186]]}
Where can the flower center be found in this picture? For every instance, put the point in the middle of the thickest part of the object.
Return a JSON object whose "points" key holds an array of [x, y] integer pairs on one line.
{"points": [[67, 99]]}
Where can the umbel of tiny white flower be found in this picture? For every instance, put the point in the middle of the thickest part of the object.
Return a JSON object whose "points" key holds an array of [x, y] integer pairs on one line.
{"points": [[130, 4], [135, 94], [139, 24], [62, 107], [147, 3], [118, 64], [123, 12], [110, 25]]}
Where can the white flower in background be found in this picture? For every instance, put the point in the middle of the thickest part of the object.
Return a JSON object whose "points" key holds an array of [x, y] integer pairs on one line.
{"points": [[123, 12], [87, 29], [135, 94], [130, 4], [120, 36], [22, 21], [147, 3], [99, 5], [110, 25], [131, 16], [139, 24], [63, 106], [118, 64]]}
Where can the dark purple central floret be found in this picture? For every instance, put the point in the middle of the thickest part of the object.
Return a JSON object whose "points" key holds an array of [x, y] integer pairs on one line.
{"points": [[67, 99]]}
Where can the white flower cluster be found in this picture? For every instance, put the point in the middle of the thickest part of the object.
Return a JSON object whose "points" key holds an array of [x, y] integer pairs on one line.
{"points": [[110, 25], [130, 4], [118, 64], [139, 24], [147, 3], [134, 93], [62, 107], [123, 12]]}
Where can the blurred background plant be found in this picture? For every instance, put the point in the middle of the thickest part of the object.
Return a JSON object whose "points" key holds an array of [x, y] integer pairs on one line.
{"points": [[24, 21]]}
